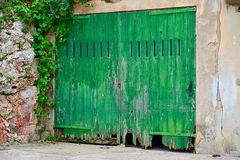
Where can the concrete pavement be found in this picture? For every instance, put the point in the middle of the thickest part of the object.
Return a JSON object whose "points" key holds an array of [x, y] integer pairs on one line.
{"points": [[70, 151]]}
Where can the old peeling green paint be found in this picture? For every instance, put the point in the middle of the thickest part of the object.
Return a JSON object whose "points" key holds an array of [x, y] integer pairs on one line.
{"points": [[128, 72]]}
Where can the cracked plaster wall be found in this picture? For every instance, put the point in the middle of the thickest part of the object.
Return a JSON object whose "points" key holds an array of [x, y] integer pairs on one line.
{"points": [[228, 113], [217, 56]]}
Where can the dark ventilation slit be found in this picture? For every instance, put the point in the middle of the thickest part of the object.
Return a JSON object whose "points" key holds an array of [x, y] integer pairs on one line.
{"points": [[154, 47], [147, 48], [179, 47], [101, 49], [94, 49], [73, 49], [162, 47], [131, 49], [139, 49], [87, 49], [108, 49], [67, 49], [80, 49], [171, 47]]}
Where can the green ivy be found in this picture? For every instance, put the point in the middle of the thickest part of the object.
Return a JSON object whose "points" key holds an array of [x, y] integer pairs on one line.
{"points": [[46, 16], [52, 138]]}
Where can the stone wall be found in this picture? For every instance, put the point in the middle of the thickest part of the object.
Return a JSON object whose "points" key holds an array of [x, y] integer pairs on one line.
{"points": [[18, 93]]}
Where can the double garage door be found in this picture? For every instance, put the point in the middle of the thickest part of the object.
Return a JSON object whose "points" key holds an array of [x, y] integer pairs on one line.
{"points": [[128, 73]]}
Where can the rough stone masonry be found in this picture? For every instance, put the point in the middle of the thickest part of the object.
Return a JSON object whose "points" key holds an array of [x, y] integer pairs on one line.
{"points": [[18, 93]]}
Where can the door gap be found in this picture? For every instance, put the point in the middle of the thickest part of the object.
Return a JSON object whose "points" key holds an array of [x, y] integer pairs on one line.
{"points": [[114, 136], [157, 142], [129, 140], [121, 139]]}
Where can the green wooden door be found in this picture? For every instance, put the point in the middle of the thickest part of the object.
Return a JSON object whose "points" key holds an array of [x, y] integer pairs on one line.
{"points": [[157, 72], [86, 100], [129, 72]]}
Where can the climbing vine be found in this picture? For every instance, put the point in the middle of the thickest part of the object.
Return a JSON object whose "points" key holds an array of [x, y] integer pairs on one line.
{"points": [[46, 17]]}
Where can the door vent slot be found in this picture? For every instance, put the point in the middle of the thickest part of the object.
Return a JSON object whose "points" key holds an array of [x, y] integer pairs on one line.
{"points": [[171, 47], [139, 49], [67, 49], [162, 47], [80, 49], [108, 49], [131, 49], [154, 48], [179, 47], [87, 49], [91, 49], [147, 48], [94, 49], [73, 50], [101, 49]]}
